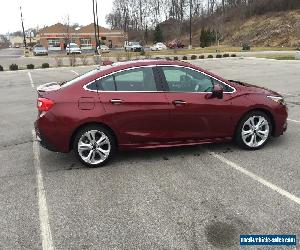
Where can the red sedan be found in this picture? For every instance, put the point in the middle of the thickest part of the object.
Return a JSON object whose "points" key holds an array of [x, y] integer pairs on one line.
{"points": [[153, 104]]}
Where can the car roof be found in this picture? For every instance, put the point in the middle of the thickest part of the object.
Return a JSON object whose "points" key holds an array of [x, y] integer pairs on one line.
{"points": [[104, 70]]}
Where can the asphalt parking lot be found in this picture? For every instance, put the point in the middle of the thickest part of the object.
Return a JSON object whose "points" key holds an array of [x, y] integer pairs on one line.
{"points": [[200, 197]]}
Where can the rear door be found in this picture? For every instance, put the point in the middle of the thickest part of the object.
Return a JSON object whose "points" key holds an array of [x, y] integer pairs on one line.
{"points": [[193, 115], [134, 102]]}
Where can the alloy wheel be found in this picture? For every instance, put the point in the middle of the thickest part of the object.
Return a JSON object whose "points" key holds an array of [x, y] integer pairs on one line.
{"points": [[255, 131], [94, 147]]}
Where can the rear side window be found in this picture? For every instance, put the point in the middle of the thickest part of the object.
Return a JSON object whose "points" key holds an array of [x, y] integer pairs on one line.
{"points": [[92, 86], [141, 79]]}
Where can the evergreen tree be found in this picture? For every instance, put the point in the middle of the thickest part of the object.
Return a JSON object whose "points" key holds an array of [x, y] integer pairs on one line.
{"points": [[158, 37]]}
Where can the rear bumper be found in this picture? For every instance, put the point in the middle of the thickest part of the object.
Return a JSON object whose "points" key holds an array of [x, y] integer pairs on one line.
{"points": [[43, 141]]}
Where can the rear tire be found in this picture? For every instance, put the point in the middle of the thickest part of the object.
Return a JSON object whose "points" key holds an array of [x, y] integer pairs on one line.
{"points": [[254, 130], [94, 146]]}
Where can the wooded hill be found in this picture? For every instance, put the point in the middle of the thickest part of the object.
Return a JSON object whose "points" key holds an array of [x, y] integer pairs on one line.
{"points": [[258, 22]]}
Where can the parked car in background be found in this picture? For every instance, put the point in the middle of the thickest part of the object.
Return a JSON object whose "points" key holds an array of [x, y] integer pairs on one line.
{"points": [[39, 50], [73, 48], [133, 46], [158, 46], [103, 49], [153, 104], [175, 44]]}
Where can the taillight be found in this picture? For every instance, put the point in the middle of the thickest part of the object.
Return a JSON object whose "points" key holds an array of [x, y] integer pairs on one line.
{"points": [[44, 104]]}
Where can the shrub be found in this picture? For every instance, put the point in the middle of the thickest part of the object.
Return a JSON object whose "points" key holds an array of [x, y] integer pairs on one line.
{"points": [[30, 66], [128, 56], [13, 67], [175, 58], [246, 47], [84, 60], [1, 68], [58, 61], [193, 57], [233, 55], [118, 57], [45, 65], [201, 57], [167, 58], [142, 53], [184, 58], [97, 59], [226, 55], [218, 56], [72, 60], [210, 56], [157, 58]]}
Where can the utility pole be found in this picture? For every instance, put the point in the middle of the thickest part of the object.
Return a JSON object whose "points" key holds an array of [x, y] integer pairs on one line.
{"points": [[97, 22], [190, 46], [96, 51], [24, 36]]}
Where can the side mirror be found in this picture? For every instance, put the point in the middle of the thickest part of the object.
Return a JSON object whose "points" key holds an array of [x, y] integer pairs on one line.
{"points": [[217, 92]]}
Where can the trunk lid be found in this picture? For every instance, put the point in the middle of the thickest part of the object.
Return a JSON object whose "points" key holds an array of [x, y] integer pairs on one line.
{"points": [[48, 87]]}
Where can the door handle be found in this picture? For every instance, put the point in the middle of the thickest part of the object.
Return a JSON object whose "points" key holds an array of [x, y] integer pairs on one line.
{"points": [[179, 102], [116, 101]]}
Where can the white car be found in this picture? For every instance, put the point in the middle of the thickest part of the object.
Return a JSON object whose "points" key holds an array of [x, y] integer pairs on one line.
{"points": [[297, 56], [73, 48], [103, 49], [158, 46]]}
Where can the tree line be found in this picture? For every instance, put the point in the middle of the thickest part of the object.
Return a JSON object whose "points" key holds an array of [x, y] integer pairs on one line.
{"points": [[146, 14]]}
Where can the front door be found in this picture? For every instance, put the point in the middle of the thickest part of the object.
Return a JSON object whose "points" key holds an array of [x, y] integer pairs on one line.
{"points": [[193, 115]]}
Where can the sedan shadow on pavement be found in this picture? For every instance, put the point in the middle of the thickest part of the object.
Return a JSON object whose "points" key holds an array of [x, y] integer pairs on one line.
{"points": [[67, 161]]}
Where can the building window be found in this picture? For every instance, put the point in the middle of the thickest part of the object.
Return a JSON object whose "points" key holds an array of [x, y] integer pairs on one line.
{"points": [[85, 42], [54, 42]]}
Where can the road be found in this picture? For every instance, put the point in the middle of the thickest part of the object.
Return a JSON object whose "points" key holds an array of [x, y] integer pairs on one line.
{"points": [[200, 197], [10, 53]]}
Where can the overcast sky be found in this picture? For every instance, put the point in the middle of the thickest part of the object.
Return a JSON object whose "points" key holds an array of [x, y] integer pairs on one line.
{"points": [[48, 12]]}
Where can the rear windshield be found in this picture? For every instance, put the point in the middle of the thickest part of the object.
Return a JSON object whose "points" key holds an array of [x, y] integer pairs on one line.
{"points": [[86, 75]]}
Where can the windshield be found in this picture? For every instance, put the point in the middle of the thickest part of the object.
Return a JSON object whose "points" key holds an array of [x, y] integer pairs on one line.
{"points": [[135, 43]]}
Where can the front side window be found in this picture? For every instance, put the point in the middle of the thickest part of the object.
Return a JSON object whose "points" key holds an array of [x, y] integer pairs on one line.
{"points": [[141, 79], [186, 80], [225, 87]]}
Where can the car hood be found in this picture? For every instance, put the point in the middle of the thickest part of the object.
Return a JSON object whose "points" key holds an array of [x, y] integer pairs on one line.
{"points": [[251, 88]]}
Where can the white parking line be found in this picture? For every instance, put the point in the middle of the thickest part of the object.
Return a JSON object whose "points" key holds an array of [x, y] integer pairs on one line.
{"points": [[73, 71], [293, 120], [257, 178], [31, 81], [46, 236]]}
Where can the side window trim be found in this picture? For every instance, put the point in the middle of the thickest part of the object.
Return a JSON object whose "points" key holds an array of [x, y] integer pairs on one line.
{"points": [[159, 80], [166, 87]]}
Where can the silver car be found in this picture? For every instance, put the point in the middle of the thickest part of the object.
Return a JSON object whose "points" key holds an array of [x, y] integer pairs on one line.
{"points": [[39, 50]]}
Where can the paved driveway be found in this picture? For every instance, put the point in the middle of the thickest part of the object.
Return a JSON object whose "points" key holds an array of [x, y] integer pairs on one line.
{"points": [[200, 197]]}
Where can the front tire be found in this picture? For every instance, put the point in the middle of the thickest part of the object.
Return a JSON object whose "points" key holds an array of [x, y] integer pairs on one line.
{"points": [[254, 130], [94, 146]]}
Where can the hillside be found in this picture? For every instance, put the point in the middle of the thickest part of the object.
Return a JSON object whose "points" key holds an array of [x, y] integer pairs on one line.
{"points": [[272, 29]]}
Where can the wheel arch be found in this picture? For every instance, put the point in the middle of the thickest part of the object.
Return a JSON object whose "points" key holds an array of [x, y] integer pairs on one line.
{"points": [[89, 124]]}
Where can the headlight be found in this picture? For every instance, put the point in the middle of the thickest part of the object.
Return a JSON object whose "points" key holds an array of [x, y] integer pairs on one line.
{"points": [[277, 99]]}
